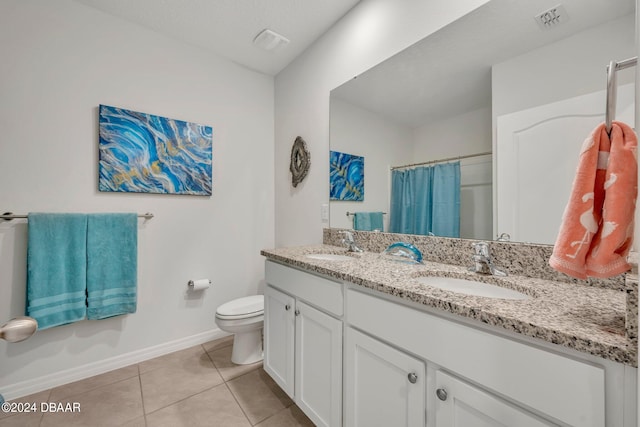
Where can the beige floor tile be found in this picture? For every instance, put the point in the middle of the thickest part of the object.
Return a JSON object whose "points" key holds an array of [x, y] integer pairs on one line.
{"points": [[258, 395], [218, 344], [229, 370], [88, 384], [214, 407], [177, 380], [111, 405], [36, 398], [138, 422], [169, 359], [288, 417], [22, 419]]}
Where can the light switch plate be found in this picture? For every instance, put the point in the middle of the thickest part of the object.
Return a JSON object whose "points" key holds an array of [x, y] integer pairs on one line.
{"points": [[324, 212]]}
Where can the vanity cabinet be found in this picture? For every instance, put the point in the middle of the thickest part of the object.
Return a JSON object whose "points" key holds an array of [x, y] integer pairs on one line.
{"points": [[400, 364], [303, 341], [383, 385], [486, 377], [459, 404], [279, 336]]}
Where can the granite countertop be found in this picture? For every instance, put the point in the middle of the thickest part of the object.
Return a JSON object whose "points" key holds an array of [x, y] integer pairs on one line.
{"points": [[584, 318]]}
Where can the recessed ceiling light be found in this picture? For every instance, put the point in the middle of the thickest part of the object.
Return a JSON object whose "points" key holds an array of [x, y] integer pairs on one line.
{"points": [[270, 40]]}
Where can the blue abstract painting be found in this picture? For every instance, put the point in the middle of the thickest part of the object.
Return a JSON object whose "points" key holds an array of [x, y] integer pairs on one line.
{"points": [[346, 176], [143, 153]]}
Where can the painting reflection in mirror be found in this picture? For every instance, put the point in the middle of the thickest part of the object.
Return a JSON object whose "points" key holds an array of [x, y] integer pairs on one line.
{"points": [[346, 176], [452, 95]]}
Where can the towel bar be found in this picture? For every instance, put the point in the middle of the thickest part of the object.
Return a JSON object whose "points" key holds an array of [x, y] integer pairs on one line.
{"points": [[8, 216], [612, 89], [353, 213]]}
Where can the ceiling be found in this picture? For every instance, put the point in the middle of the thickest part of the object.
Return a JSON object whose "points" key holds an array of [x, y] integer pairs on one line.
{"points": [[228, 27], [449, 72]]}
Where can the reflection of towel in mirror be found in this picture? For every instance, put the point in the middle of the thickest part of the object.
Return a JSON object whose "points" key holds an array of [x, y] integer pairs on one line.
{"points": [[368, 221], [597, 226]]}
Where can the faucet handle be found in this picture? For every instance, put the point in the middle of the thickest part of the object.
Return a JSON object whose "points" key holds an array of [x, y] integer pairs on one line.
{"points": [[504, 237], [481, 248], [348, 236]]}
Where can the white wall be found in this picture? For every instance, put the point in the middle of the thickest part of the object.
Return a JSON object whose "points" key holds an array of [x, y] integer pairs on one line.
{"points": [[372, 31], [383, 144], [465, 134], [571, 67], [60, 60]]}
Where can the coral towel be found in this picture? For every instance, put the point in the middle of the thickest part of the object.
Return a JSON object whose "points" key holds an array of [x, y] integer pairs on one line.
{"points": [[597, 227]]}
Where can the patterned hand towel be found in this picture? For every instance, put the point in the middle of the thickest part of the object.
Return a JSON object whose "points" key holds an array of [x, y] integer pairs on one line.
{"points": [[597, 226], [56, 268], [112, 253]]}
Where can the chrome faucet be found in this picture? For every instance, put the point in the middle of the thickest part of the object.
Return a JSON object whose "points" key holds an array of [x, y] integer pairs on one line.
{"points": [[350, 242], [482, 262]]}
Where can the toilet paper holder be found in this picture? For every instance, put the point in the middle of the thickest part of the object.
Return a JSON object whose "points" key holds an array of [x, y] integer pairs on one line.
{"points": [[199, 284]]}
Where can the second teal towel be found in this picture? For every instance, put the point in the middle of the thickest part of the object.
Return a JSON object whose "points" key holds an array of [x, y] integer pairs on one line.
{"points": [[56, 268], [112, 248], [368, 221]]}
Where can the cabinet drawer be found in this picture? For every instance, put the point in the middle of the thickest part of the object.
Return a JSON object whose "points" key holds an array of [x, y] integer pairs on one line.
{"points": [[566, 389], [323, 293]]}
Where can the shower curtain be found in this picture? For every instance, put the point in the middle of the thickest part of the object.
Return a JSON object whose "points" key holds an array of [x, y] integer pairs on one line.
{"points": [[426, 200]]}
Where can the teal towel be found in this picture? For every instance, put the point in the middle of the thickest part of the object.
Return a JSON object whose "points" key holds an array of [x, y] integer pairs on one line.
{"points": [[112, 254], [56, 268], [368, 221]]}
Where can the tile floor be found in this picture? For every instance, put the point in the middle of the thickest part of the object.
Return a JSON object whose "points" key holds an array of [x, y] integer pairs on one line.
{"points": [[198, 386]]}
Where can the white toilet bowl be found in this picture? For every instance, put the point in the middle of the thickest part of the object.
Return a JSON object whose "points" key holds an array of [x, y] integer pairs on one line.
{"points": [[244, 317]]}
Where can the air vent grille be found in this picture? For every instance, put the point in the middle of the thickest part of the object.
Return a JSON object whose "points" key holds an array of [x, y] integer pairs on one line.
{"points": [[552, 18], [270, 40]]}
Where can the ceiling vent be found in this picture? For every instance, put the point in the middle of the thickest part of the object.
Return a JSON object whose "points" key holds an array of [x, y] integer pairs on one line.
{"points": [[552, 18], [270, 40]]}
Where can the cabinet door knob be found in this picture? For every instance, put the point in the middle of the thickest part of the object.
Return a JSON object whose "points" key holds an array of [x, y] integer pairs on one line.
{"points": [[297, 312], [413, 378], [287, 307], [442, 394]]}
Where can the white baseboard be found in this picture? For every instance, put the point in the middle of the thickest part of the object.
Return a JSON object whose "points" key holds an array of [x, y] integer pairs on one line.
{"points": [[45, 382]]}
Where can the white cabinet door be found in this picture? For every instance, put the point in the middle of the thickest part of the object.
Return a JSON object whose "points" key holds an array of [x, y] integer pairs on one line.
{"points": [[459, 404], [279, 323], [383, 386], [318, 367]]}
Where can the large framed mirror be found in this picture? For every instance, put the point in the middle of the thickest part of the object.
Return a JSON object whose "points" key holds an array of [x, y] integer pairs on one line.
{"points": [[469, 92]]}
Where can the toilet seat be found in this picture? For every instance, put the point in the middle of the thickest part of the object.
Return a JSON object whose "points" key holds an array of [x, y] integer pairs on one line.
{"points": [[242, 308]]}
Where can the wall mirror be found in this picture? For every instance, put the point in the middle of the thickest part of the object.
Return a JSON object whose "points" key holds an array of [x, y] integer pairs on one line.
{"points": [[508, 96]]}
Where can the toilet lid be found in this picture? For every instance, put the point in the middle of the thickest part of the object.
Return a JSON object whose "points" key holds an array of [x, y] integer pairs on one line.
{"points": [[246, 306]]}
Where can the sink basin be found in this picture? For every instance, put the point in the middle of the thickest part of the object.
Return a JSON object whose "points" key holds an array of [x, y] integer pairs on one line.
{"points": [[330, 257], [471, 287]]}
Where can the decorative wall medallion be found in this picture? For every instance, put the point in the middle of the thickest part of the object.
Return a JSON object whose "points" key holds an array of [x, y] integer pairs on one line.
{"points": [[300, 161]]}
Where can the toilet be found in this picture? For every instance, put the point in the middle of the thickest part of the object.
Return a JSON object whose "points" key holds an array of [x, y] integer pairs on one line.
{"points": [[244, 317]]}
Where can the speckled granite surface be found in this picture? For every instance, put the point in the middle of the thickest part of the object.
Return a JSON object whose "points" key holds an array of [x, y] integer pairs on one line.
{"points": [[517, 259], [589, 319]]}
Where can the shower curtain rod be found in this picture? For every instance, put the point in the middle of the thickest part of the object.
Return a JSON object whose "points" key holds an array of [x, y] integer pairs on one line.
{"points": [[441, 160], [8, 216]]}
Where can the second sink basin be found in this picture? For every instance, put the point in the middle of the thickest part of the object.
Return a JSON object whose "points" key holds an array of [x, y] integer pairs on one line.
{"points": [[471, 287], [330, 257]]}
